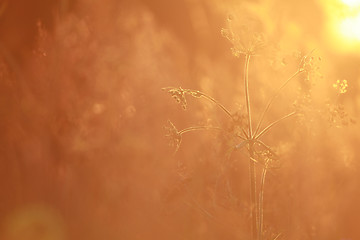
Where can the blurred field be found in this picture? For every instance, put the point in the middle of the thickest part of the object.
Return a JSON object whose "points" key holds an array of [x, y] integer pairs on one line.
{"points": [[83, 152]]}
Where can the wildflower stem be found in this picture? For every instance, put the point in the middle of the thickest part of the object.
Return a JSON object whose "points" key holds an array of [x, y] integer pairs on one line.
{"points": [[261, 202], [277, 236], [252, 167], [189, 129], [253, 197], [242, 144], [272, 100], [272, 124], [241, 137], [246, 82], [217, 103]]}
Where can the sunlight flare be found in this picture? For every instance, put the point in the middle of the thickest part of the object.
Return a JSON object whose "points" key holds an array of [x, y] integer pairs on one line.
{"points": [[350, 28], [343, 24], [349, 25], [351, 3]]}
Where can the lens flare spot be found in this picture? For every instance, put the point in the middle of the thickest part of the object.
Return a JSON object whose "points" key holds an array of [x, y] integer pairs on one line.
{"points": [[350, 28]]}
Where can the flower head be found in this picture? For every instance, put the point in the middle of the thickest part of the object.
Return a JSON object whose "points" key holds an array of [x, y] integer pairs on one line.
{"points": [[341, 86], [245, 40], [178, 94]]}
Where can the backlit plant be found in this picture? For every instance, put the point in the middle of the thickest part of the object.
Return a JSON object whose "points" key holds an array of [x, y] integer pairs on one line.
{"points": [[245, 132]]}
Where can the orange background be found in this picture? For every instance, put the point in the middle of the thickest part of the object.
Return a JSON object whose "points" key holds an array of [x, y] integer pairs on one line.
{"points": [[83, 153]]}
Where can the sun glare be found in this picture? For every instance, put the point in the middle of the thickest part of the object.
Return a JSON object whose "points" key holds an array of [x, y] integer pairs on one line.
{"points": [[343, 25], [350, 28], [349, 25], [351, 3]]}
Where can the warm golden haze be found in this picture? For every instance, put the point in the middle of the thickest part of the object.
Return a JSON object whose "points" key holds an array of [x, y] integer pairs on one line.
{"points": [[264, 140]]}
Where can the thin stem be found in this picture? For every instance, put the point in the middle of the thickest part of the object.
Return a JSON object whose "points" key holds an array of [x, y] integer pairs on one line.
{"points": [[254, 160], [202, 210], [272, 124], [261, 202], [272, 100], [246, 82], [241, 137], [252, 167], [277, 236], [189, 129], [253, 197], [242, 144], [217, 103], [245, 134]]}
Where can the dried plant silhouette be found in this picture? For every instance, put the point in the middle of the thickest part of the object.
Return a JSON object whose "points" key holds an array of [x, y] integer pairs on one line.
{"points": [[262, 157]]}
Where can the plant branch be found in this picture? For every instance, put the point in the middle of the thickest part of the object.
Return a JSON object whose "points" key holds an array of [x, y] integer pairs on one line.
{"points": [[189, 129], [217, 103], [179, 94], [245, 134], [261, 202], [253, 197], [242, 144], [272, 124], [277, 236], [246, 82], [272, 100]]}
